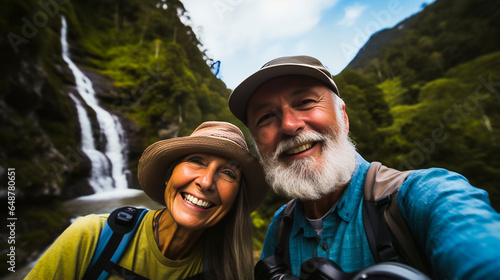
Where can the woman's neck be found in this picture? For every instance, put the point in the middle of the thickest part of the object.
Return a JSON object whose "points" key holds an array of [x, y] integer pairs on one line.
{"points": [[174, 242]]}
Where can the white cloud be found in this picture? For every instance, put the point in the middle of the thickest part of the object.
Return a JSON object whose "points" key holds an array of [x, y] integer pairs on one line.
{"points": [[352, 13], [232, 25], [244, 34]]}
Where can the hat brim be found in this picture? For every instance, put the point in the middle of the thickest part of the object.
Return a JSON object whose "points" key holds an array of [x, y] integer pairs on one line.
{"points": [[159, 157], [241, 94]]}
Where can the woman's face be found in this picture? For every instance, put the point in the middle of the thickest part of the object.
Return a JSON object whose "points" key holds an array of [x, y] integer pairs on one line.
{"points": [[202, 190]]}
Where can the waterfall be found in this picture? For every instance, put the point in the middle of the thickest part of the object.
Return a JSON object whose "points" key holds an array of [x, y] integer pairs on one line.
{"points": [[108, 165]]}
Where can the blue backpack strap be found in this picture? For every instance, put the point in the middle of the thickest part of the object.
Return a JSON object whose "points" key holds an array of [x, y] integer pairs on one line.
{"points": [[119, 229]]}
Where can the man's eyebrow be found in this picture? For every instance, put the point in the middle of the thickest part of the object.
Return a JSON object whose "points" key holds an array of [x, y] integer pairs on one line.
{"points": [[259, 106], [262, 105], [301, 90]]}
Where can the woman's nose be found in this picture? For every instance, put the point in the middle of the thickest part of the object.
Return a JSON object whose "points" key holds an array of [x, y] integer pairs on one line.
{"points": [[206, 180]]}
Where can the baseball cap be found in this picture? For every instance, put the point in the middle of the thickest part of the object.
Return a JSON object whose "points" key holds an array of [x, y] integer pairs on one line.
{"points": [[282, 66]]}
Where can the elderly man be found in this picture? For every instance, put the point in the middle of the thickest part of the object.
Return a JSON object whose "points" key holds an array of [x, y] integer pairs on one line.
{"points": [[298, 121]]}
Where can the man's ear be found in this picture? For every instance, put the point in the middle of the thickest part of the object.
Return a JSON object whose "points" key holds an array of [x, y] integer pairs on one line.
{"points": [[346, 119]]}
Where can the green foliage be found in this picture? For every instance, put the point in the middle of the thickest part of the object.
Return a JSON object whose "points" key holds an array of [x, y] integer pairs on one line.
{"points": [[260, 226], [159, 78], [374, 102], [438, 72], [36, 112], [452, 122], [442, 36], [425, 93], [155, 63]]}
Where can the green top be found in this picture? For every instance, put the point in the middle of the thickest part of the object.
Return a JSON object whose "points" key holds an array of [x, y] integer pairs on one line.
{"points": [[69, 256]]}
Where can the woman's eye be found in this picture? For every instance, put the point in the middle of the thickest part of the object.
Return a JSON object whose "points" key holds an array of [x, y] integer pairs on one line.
{"points": [[230, 173], [196, 160]]}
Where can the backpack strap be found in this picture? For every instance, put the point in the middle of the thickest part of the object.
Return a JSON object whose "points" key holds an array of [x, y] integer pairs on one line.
{"points": [[122, 272], [285, 228], [119, 229], [387, 232]]}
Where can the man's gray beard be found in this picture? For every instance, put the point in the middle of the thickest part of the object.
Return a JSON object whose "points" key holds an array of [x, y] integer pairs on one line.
{"points": [[298, 180]]}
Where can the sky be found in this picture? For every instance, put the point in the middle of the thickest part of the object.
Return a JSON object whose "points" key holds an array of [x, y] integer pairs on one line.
{"points": [[245, 34]]}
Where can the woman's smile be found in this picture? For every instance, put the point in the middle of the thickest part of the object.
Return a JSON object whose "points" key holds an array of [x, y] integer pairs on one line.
{"points": [[195, 201]]}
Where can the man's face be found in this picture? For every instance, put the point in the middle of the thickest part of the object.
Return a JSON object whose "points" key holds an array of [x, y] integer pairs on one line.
{"points": [[287, 106], [302, 137]]}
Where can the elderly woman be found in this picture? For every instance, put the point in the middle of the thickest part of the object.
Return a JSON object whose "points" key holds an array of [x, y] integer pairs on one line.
{"points": [[209, 183]]}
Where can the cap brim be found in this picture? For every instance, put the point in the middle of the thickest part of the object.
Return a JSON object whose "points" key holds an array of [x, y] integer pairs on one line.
{"points": [[157, 159], [241, 94]]}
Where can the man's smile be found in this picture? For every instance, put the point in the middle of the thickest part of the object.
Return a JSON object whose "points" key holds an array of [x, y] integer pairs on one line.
{"points": [[300, 149]]}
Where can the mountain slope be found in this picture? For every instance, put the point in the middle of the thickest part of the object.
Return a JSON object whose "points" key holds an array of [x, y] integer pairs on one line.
{"points": [[439, 74], [443, 35]]}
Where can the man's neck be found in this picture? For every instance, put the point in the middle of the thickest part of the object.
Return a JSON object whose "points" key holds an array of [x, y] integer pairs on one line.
{"points": [[315, 209]]}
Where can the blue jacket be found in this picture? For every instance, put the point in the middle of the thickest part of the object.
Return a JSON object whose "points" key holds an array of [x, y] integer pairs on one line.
{"points": [[450, 219]]}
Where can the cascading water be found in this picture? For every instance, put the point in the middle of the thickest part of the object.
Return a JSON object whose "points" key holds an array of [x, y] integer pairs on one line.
{"points": [[100, 179], [108, 166]]}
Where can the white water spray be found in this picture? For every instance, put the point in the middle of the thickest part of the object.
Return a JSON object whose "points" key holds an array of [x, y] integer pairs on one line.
{"points": [[108, 166]]}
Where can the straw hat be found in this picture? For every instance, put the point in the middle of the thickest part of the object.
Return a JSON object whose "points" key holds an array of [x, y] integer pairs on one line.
{"points": [[219, 138]]}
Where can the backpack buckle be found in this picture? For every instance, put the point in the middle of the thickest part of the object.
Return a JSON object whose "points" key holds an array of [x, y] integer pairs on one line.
{"points": [[383, 200], [126, 216]]}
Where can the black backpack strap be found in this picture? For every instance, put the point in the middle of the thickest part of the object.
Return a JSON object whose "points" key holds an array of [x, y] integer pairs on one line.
{"points": [[379, 237], [119, 229], [285, 228], [199, 276], [122, 272], [386, 230]]}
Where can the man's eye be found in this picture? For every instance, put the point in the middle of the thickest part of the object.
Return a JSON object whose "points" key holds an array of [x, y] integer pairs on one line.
{"points": [[306, 102], [264, 118]]}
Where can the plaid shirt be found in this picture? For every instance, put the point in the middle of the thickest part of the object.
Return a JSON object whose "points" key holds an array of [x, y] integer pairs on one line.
{"points": [[452, 220]]}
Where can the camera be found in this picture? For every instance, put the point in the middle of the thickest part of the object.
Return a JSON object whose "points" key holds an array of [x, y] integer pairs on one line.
{"points": [[275, 268]]}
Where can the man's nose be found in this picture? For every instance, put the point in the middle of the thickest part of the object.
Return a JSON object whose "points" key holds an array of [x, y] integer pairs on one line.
{"points": [[291, 123]]}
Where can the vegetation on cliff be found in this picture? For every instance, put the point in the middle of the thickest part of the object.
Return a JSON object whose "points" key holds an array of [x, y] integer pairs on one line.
{"points": [[422, 94], [438, 77], [147, 67]]}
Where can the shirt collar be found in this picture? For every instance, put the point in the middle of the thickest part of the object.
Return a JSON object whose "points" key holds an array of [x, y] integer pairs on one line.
{"points": [[349, 202], [346, 207]]}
